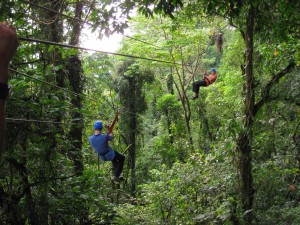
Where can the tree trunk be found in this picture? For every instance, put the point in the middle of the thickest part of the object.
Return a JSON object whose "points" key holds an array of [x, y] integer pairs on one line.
{"points": [[54, 33], [76, 131], [205, 137], [132, 135], [75, 77], [132, 154], [245, 137], [169, 126], [186, 110]]}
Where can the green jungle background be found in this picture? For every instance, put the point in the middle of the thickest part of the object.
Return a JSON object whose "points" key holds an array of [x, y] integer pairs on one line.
{"points": [[232, 156]]}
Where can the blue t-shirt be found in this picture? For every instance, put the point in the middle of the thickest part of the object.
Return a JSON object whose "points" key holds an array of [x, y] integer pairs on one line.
{"points": [[100, 143]]}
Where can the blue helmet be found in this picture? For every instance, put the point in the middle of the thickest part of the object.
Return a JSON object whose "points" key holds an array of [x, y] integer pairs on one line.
{"points": [[98, 125], [213, 70]]}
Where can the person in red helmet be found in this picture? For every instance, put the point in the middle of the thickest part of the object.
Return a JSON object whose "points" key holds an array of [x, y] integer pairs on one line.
{"points": [[8, 46], [207, 80], [99, 142]]}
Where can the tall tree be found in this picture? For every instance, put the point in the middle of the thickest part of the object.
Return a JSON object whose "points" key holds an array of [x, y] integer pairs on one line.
{"points": [[75, 75], [245, 138], [244, 16], [182, 42], [132, 77]]}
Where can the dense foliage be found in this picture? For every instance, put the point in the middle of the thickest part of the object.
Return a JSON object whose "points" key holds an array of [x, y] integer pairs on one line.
{"points": [[230, 157]]}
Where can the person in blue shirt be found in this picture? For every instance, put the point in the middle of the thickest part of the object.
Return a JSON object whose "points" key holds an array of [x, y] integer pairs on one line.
{"points": [[99, 142]]}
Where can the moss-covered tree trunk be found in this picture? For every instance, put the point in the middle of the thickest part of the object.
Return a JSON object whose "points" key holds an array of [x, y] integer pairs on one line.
{"points": [[132, 97], [132, 152], [75, 72], [132, 132], [245, 137]]}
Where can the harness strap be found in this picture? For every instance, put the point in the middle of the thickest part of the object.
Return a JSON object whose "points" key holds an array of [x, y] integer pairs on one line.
{"points": [[109, 131], [103, 154], [108, 148]]}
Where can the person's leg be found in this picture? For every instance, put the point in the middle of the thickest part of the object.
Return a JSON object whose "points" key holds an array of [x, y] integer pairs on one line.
{"points": [[115, 166], [196, 87], [118, 163]]}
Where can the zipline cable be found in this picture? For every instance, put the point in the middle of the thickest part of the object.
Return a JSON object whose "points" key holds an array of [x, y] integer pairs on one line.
{"points": [[53, 85], [45, 82], [64, 89], [147, 43], [94, 50], [67, 90], [85, 22], [37, 121]]}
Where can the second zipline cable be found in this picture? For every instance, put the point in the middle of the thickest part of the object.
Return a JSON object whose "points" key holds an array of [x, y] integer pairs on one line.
{"points": [[94, 50]]}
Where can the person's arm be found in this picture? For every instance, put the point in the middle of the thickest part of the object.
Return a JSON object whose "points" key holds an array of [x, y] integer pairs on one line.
{"points": [[8, 46], [204, 74], [111, 136]]}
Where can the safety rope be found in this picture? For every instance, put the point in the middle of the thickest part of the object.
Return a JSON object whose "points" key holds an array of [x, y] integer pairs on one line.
{"points": [[45, 82]]}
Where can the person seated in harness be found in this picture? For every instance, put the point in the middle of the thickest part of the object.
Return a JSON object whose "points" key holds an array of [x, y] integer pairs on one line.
{"points": [[99, 142], [207, 80]]}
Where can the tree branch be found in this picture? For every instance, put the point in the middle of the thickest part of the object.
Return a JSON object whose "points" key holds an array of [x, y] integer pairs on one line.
{"points": [[265, 96]]}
